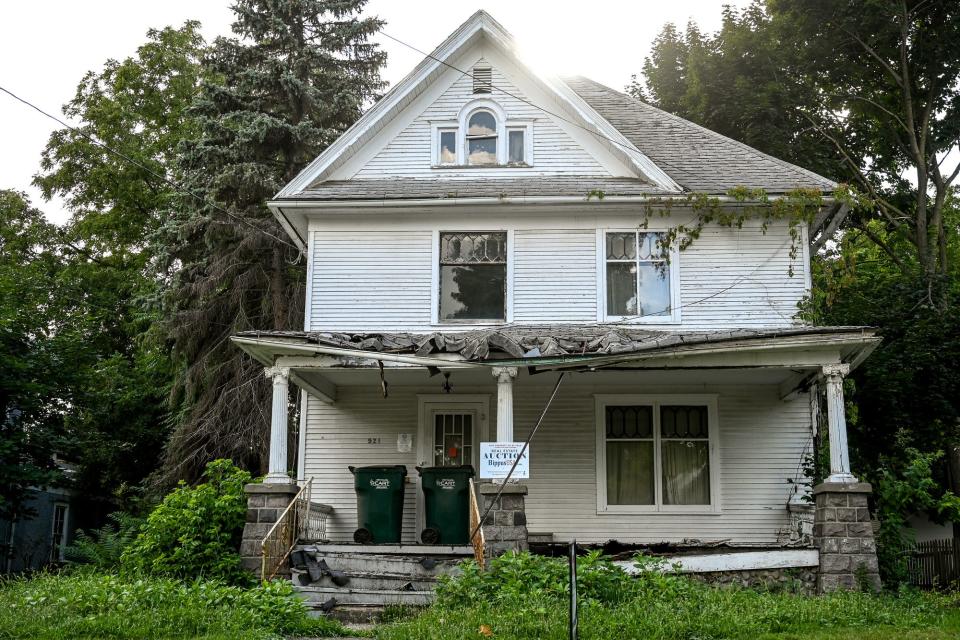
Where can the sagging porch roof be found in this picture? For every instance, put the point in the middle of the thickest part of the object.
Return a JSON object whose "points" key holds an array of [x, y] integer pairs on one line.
{"points": [[552, 344]]}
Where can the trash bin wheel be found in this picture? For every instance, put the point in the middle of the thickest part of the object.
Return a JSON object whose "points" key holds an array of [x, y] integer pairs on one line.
{"points": [[363, 536], [430, 535]]}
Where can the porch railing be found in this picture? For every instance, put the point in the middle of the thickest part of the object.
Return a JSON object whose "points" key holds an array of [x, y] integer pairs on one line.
{"points": [[478, 540], [302, 519]]}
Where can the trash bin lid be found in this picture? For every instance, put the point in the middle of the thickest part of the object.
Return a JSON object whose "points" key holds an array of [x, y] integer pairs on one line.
{"points": [[463, 469], [394, 468]]}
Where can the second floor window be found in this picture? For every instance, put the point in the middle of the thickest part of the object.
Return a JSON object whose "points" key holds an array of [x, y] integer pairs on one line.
{"points": [[473, 276], [637, 276]]}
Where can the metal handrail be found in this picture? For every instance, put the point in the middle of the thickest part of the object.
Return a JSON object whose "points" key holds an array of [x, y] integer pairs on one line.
{"points": [[476, 539], [282, 537]]}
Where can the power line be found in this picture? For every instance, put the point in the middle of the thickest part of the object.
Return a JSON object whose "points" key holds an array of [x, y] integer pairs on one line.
{"points": [[527, 101], [178, 188]]}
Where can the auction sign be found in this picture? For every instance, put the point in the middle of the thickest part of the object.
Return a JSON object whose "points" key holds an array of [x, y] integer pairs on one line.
{"points": [[496, 459]]}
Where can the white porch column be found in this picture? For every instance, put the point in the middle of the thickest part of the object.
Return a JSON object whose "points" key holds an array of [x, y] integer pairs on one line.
{"points": [[837, 421], [277, 471], [504, 376]]}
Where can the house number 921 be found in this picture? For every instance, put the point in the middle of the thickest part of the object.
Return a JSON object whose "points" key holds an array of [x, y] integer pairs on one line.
{"points": [[373, 440]]}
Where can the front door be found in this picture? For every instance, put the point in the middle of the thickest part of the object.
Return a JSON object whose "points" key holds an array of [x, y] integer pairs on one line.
{"points": [[449, 435]]}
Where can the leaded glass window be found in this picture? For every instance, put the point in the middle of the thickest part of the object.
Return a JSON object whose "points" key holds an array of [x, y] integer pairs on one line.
{"points": [[630, 473], [638, 274], [657, 454], [473, 276]]}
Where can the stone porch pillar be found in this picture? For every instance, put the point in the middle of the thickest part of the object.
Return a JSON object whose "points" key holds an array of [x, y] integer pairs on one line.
{"points": [[505, 527], [265, 503], [842, 529], [277, 469], [504, 376], [267, 500]]}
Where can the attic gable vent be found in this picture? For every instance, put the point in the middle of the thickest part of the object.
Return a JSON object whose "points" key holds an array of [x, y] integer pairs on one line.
{"points": [[482, 80]]}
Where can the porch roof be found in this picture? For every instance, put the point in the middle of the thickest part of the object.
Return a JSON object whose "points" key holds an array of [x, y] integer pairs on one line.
{"points": [[534, 345]]}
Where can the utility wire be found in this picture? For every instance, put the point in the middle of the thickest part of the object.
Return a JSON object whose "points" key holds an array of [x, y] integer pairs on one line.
{"points": [[178, 188]]}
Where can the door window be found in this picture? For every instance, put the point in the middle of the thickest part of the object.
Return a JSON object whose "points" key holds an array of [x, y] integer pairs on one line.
{"points": [[452, 438]]}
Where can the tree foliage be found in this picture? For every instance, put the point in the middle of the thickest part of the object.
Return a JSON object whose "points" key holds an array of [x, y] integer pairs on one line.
{"points": [[30, 354], [295, 76], [107, 282]]}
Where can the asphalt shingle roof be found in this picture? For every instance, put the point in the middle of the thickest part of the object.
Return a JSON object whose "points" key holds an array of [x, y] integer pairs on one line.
{"points": [[412, 188], [696, 158]]}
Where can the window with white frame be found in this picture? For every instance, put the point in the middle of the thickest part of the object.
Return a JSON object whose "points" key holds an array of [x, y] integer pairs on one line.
{"points": [[637, 276], [472, 276], [59, 534], [483, 136], [656, 453]]}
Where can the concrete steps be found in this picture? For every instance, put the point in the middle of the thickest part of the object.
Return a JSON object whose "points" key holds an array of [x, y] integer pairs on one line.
{"points": [[377, 576]]}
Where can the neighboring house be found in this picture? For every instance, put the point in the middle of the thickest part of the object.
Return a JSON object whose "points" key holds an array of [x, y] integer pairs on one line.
{"points": [[39, 540], [474, 234]]}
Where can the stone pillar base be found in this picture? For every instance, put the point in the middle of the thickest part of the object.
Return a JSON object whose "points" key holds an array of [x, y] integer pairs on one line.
{"points": [[843, 533], [505, 528], [265, 503]]}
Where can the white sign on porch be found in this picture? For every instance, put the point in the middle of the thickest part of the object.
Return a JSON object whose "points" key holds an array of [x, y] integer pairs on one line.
{"points": [[496, 458]]}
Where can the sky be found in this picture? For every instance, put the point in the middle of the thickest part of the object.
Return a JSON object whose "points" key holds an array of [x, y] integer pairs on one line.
{"points": [[47, 46]]}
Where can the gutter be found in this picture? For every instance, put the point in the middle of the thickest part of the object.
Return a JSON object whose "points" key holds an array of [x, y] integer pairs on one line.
{"points": [[519, 200]]}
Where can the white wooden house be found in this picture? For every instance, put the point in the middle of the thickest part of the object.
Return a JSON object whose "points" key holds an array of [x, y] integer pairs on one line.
{"points": [[480, 230]]}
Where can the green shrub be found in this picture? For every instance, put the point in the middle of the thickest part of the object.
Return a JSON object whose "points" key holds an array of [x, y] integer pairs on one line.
{"points": [[524, 596], [87, 604], [524, 575], [103, 548], [195, 532]]}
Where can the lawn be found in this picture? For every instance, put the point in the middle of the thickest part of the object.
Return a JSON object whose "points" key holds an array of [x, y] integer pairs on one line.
{"points": [[524, 597], [96, 605], [521, 597]]}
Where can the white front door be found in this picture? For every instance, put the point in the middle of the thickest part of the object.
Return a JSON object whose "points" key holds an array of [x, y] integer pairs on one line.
{"points": [[449, 434]]}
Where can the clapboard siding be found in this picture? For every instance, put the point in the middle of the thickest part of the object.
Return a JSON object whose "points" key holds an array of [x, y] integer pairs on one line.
{"points": [[410, 153], [761, 443], [555, 276], [380, 278], [370, 278]]}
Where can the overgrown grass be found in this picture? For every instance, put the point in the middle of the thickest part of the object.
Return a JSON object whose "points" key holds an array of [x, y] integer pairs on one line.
{"points": [[525, 597], [97, 605]]}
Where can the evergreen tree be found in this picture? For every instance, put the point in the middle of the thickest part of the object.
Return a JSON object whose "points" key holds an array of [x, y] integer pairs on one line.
{"points": [[295, 77]]}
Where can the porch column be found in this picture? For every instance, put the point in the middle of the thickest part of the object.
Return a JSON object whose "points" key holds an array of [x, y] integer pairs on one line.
{"points": [[837, 421], [277, 470], [504, 376]]}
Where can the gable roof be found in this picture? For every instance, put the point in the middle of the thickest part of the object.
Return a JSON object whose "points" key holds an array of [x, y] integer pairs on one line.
{"points": [[669, 154], [697, 158], [480, 26]]}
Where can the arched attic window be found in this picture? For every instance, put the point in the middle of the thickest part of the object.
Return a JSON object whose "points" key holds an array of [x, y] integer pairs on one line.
{"points": [[481, 138]]}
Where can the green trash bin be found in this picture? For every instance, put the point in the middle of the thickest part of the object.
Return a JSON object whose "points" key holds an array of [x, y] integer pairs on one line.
{"points": [[446, 500], [379, 503]]}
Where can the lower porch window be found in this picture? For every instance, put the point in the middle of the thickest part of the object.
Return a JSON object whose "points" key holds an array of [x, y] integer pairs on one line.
{"points": [[656, 453]]}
